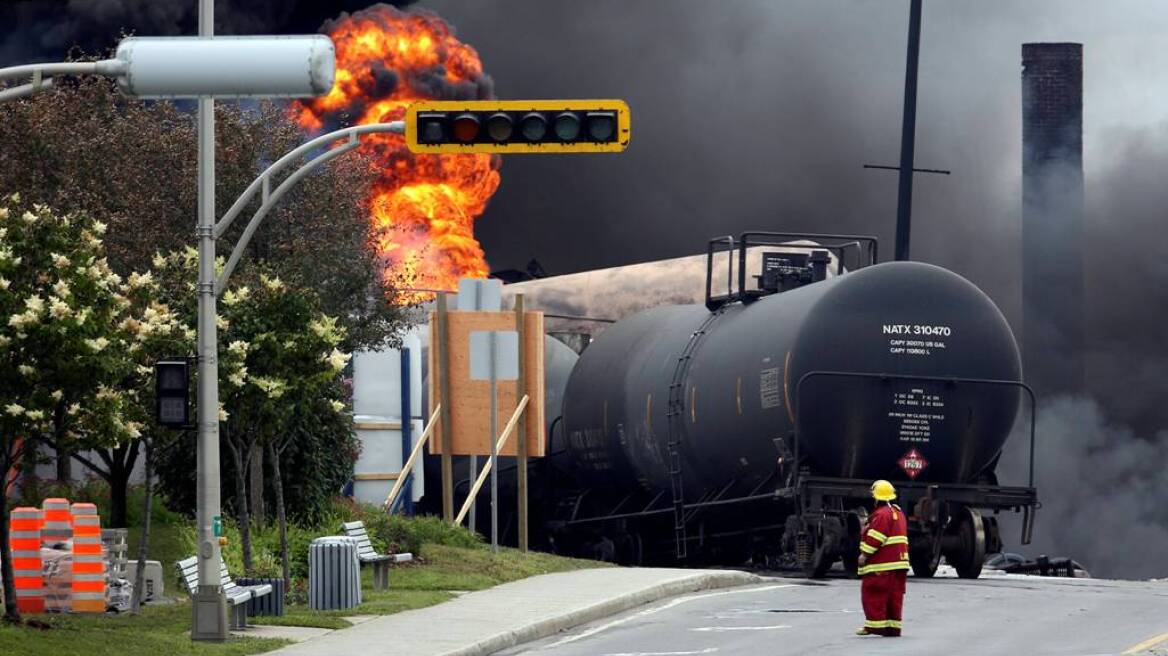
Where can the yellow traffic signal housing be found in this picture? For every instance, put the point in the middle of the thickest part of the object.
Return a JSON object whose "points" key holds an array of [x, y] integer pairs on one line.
{"points": [[518, 126]]}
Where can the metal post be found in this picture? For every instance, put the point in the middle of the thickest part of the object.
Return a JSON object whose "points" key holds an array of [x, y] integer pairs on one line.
{"points": [[521, 445], [494, 447], [470, 479], [210, 607], [908, 134], [407, 441], [444, 400]]}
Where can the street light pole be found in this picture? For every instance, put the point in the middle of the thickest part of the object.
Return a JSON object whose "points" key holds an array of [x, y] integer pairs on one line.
{"points": [[210, 607]]}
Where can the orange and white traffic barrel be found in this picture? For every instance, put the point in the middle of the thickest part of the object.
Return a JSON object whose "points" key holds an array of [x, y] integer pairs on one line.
{"points": [[58, 522], [28, 574], [89, 577]]}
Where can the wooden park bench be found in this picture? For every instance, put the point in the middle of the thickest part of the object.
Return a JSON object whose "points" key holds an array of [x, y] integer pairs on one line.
{"points": [[237, 595], [369, 556]]}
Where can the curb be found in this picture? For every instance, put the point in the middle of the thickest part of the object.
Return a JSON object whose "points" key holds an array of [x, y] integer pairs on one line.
{"points": [[551, 626]]}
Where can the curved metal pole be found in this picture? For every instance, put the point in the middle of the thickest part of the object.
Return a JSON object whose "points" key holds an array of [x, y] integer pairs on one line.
{"points": [[287, 184], [396, 127], [23, 90], [40, 74], [112, 67]]}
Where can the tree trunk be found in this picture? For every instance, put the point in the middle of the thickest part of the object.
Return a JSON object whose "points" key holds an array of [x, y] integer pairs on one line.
{"points": [[119, 464], [64, 465], [144, 541], [11, 613], [278, 483], [119, 487], [64, 454], [256, 501], [241, 453]]}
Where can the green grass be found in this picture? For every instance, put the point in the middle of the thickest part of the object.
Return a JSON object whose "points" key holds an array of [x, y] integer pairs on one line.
{"points": [[438, 571], [167, 546], [158, 630]]}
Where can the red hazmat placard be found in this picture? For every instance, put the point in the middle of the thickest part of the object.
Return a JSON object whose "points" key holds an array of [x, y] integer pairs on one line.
{"points": [[913, 463]]}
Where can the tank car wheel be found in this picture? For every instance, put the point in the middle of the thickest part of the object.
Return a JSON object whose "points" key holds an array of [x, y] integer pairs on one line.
{"points": [[972, 539], [630, 550], [924, 558], [821, 545], [850, 550], [821, 560]]}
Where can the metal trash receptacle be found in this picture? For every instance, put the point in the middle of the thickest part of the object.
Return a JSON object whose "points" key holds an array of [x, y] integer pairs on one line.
{"points": [[334, 573]]}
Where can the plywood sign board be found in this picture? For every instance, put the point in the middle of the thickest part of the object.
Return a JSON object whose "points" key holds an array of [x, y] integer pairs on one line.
{"points": [[470, 400]]}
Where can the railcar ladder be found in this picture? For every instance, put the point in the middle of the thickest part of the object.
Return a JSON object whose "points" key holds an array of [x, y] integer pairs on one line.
{"points": [[675, 420]]}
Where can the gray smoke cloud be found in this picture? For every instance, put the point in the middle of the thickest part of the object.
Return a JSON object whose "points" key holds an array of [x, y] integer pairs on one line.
{"points": [[1102, 490], [42, 30], [758, 115]]}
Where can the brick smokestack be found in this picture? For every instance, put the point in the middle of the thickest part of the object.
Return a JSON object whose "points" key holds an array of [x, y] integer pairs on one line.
{"points": [[1053, 312]]}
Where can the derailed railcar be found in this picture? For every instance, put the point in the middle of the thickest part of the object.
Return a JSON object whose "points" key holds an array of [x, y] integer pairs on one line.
{"points": [[752, 426]]}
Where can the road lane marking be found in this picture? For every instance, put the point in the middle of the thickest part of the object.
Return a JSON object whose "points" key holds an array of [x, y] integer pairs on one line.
{"points": [[719, 629], [707, 650], [672, 603], [1147, 644]]}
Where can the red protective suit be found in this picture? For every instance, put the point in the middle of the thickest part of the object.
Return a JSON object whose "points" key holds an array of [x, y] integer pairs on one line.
{"points": [[885, 543]]}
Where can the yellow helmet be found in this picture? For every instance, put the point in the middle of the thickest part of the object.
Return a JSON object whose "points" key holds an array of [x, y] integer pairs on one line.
{"points": [[882, 490]]}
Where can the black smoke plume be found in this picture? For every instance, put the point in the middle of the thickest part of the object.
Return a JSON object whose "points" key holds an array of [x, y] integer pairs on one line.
{"points": [[48, 30]]}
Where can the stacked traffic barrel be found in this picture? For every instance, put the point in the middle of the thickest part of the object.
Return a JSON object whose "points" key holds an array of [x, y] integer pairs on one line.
{"points": [[56, 532], [25, 540], [89, 578], [58, 526]]}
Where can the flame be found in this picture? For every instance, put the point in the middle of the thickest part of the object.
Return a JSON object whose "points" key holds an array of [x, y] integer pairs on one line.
{"points": [[422, 207]]}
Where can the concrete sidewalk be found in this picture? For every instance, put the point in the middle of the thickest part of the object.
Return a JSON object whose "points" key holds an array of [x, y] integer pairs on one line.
{"points": [[486, 621]]}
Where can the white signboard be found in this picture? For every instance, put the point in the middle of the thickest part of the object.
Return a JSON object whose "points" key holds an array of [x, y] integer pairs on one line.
{"points": [[506, 355]]}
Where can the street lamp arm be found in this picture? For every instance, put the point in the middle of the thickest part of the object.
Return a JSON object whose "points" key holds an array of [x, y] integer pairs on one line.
{"points": [[23, 90], [270, 202], [395, 127], [109, 67]]}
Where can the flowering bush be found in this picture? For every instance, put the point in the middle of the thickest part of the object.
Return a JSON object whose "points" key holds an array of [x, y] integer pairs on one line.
{"points": [[62, 356]]}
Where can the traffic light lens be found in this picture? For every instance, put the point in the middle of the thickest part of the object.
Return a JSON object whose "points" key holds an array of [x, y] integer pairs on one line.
{"points": [[466, 128], [499, 127], [601, 126], [432, 132], [533, 126], [567, 126]]}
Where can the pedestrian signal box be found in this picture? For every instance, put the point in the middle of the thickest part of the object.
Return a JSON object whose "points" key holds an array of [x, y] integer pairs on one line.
{"points": [[518, 126], [172, 393]]}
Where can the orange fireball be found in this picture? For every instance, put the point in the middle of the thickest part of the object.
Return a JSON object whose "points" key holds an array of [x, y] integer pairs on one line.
{"points": [[422, 206]]}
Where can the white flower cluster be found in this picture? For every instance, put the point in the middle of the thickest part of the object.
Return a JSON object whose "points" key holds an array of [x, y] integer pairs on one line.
{"points": [[273, 386], [274, 284], [34, 309], [140, 280], [232, 297], [156, 320], [326, 328], [336, 359]]}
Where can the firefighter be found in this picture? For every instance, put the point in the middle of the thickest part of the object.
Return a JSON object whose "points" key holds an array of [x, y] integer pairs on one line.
{"points": [[883, 564]]}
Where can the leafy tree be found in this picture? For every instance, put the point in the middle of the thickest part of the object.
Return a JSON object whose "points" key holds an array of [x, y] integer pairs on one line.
{"points": [[131, 164], [60, 351], [290, 351]]}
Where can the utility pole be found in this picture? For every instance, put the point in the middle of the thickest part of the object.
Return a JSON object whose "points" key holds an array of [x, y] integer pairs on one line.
{"points": [[908, 130], [908, 133], [210, 607]]}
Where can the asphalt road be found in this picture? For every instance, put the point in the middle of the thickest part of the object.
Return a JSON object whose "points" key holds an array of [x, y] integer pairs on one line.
{"points": [[994, 615]]}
